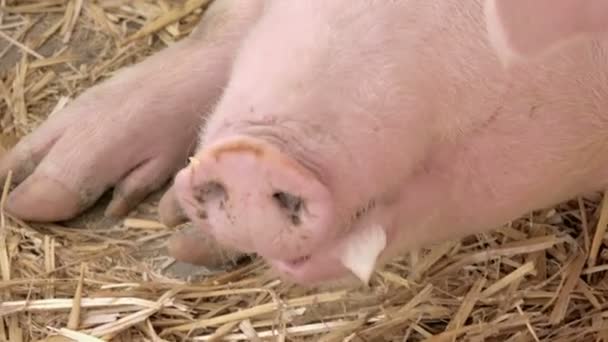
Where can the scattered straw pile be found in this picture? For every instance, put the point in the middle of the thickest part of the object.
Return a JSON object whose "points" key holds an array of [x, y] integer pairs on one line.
{"points": [[540, 278]]}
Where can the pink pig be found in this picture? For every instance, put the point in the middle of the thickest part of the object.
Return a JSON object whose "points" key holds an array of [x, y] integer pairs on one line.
{"points": [[345, 132]]}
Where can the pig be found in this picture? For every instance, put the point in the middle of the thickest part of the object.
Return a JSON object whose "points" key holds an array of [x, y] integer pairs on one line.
{"points": [[520, 30], [330, 136]]}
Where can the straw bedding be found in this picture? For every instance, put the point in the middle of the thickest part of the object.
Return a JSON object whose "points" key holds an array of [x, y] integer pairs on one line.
{"points": [[540, 278]]}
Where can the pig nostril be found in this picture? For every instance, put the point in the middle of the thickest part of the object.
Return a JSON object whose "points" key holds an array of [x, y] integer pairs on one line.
{"points": [[213, 191], [291, 204]]}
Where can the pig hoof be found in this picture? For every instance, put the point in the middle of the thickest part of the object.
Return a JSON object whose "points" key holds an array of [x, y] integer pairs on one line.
{"points": [[169, 211], [193, 247], [113, 136], [253, 197], [78, 169]]}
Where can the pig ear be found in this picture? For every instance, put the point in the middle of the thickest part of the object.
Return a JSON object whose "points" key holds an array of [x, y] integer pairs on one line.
{"points": [[361, 251], [523, 29]]}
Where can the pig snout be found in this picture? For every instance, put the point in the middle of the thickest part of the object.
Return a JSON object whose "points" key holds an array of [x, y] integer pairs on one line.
{"points": [[256, 198]]}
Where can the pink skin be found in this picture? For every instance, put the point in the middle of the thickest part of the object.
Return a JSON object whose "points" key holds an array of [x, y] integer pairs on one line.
{"points": [[336, 116], [397, 114], [523, 29]]}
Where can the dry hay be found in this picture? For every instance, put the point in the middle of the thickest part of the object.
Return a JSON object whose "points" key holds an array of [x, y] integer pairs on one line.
{"points": [[540, 278]]}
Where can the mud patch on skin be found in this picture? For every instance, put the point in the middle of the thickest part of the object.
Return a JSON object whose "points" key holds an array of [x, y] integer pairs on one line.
{"points": [[291, 204], [371, 204], [383, 201], [212, 191], [201, 214]]}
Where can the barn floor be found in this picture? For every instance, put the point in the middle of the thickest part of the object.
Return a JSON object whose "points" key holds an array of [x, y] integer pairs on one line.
{"points": [[540, 278]]}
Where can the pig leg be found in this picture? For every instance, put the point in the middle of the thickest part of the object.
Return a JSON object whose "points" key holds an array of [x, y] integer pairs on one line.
{"points": [[131, 132]]}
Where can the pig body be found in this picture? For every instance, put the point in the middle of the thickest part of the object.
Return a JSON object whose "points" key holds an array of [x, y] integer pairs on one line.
{"points": [[346, 132]]}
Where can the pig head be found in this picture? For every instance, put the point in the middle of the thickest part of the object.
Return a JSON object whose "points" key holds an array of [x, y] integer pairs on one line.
{"points": [[351, 131], [524, 29]]}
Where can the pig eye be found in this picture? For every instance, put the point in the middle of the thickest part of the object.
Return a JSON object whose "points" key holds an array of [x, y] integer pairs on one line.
{"points": [[291, 204]]}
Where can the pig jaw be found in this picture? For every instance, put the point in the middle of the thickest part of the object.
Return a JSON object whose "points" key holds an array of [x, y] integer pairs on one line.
{"points": [[252, 196]]}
